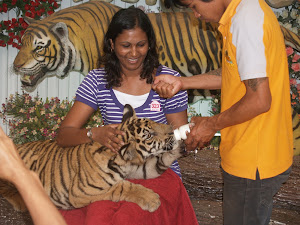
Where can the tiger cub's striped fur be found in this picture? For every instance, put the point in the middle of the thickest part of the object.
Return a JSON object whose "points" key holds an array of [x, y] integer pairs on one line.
{"points": [[76, 176]]}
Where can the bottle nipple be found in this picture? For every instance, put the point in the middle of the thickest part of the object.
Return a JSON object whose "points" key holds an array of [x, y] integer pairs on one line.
{"points": [[180, 133]]}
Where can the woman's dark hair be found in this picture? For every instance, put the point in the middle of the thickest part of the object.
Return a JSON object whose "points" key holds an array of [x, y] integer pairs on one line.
{"points": [[127, 19]]}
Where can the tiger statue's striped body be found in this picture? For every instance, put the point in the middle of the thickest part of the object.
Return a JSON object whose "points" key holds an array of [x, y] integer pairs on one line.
{"points": [[76, 176]]}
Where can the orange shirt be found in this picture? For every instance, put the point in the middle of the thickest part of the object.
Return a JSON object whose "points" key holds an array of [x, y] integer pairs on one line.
{"points": [[253, 47]]}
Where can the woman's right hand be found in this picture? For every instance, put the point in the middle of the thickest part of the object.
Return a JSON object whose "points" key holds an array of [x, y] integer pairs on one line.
{"points": [[108, 136]]}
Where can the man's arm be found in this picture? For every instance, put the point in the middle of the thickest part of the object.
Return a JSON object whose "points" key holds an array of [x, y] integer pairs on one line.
{"points": [[167, 86], [256, 101]]}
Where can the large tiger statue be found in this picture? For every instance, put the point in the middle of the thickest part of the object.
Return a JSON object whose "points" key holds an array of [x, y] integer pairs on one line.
{"points": [[92, 172], [71, 40]]}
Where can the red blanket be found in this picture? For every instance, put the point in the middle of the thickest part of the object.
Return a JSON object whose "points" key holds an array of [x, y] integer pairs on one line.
{"points": [[175, 208]]}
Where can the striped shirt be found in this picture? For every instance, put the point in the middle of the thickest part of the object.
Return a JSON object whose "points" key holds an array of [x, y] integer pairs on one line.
{"points": [[93, 92]]}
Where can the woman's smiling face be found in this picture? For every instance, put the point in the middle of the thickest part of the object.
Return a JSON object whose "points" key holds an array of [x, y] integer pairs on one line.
{"points": [[131, 48]]}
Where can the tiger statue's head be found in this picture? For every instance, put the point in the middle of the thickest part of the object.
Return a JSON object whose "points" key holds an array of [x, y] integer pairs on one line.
{"points": [[68, 40], [40, 53]]}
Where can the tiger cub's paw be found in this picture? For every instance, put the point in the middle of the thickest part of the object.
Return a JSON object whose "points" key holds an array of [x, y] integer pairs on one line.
{"points": [[149, 200]]}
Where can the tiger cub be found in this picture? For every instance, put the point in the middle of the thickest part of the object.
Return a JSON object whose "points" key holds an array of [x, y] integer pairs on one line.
{"points": [[77, 176]]}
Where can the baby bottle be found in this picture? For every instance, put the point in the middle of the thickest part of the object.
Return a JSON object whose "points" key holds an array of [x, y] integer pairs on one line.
{"points": [[180, 133]]}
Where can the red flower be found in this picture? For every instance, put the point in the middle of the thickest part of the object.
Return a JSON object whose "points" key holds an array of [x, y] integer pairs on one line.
{"points": [[4, 7], [28, 14], [296, 67], [293, 82], [55, 5], [50, 12], [15, 45], [24, 24], [296, 58], [27, 7], [6, 23], [289, 51], [10, 41]]}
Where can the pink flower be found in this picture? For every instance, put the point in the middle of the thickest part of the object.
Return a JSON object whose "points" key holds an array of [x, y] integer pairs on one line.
{"points": [[296, 58], [293, 81], [296, 67], [289, 51]]}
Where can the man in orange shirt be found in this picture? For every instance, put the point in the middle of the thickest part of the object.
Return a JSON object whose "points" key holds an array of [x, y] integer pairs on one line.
{"points": [[255, 120]]}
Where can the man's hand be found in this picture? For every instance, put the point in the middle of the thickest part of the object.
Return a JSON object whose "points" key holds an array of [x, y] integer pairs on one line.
{"points": [[201, 133], [167, 85]]}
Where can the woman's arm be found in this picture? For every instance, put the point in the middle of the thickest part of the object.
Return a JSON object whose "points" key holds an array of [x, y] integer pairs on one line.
{"points": [[12, 169], [72, 132], [177, 119]]}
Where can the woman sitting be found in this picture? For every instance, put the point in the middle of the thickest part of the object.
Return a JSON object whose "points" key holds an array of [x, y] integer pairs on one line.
{"points": [[130, 65]]}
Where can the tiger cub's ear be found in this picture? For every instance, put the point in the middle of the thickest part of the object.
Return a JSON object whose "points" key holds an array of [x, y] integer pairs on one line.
{"points": [[128, 112], [128, 151]]}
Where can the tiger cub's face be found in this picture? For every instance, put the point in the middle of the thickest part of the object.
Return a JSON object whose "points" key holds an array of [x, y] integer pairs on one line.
{"points": [[145, 137]]}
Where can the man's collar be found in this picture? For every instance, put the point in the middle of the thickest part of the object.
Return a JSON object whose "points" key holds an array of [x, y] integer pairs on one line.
{"points": [[230, 10]]}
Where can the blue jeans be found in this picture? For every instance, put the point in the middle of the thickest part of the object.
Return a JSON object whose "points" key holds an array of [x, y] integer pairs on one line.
{"points": [[250, 202]]}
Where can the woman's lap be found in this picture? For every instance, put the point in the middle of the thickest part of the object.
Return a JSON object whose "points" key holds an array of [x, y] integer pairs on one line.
{"points": [[175, 207]]}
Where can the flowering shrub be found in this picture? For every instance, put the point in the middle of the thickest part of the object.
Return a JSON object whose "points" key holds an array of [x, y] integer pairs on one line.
{"points": [[215, 105], [294, 69], [32, 119], [289, 18], [12, 30]]}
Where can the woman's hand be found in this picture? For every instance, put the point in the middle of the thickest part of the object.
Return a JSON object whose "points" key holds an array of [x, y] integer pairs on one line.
{"points": [[108, 136]]}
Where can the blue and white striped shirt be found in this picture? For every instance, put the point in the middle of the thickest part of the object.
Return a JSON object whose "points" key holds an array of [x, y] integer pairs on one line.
{"points": [[93, 92]]}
